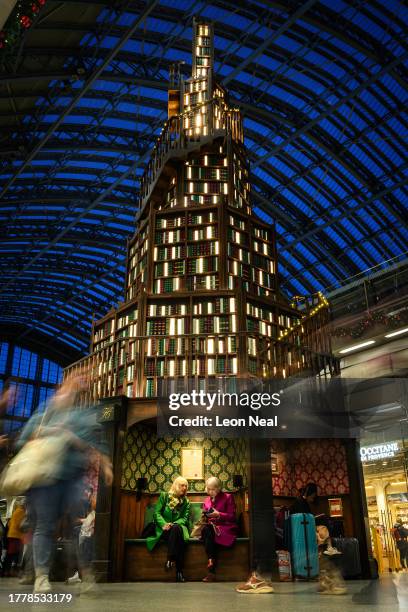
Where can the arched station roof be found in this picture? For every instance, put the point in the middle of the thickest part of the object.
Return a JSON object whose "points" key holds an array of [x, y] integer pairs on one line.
{"points": [[323, 89]]}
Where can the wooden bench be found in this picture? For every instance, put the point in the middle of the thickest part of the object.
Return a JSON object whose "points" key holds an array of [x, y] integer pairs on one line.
{"points": [[140, 564]]}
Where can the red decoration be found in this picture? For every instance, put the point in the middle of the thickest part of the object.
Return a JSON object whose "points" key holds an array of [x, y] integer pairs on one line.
{"points": [[25, 21], [21, 18], [370, 320]]}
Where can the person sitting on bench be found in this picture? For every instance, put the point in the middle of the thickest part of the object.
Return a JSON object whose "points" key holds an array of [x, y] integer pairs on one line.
{"points": [[308, 495], [171, 517], [221, 528]]}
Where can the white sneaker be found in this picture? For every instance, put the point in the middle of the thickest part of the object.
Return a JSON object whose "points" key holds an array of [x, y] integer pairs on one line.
{"points": [[42, 584], [74, 579], [332, 551]]}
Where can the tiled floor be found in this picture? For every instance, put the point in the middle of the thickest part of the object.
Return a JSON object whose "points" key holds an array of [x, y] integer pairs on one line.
{"points": [[385, 595]]}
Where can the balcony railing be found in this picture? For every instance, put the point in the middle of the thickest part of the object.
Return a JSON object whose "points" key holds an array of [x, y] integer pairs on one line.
{"points": [[181, 132]]}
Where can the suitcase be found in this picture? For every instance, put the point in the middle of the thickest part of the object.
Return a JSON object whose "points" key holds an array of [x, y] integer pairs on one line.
{"points": [[281, 518], [350, 560], [305, 558], [63, 561]]}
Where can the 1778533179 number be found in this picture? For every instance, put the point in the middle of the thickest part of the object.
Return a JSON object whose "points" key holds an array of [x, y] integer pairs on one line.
{"points": [[40, 598]]}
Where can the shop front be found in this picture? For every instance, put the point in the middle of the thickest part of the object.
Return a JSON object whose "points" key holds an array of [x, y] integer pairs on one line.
{"points": [[385, 477]]}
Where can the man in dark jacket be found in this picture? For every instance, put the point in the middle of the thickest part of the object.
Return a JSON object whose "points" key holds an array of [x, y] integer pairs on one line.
{"points": [[307, 496], [401, 539]]}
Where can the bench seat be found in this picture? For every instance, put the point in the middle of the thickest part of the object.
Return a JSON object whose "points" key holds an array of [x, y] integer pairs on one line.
{"points": [[140, 564]]}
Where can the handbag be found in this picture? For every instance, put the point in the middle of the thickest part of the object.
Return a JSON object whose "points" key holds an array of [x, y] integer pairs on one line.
{"points": [[36, 465], [198, 528]]}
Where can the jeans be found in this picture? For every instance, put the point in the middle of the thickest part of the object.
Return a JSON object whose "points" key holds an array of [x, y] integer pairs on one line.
{"points": [[48, 505]]}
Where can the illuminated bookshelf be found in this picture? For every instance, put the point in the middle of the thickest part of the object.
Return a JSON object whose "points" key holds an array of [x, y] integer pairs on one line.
{"points": [[202, 297]]}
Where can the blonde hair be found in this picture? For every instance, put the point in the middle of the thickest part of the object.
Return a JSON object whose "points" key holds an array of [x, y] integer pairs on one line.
{"points": [[214, 481], [175, 487]]}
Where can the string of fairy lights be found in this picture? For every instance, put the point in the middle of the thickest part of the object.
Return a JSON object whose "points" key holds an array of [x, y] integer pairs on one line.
{"points": [[20, 19]]}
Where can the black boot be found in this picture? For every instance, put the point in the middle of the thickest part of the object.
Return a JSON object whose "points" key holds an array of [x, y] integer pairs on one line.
{"points": [[180, 576]]}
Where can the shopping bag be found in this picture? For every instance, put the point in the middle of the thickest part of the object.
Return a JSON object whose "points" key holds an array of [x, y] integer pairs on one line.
{"points": [[37, 464]]}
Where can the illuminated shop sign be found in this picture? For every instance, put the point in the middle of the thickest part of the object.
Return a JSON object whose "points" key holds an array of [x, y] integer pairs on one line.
{"points": [[379, 451]]}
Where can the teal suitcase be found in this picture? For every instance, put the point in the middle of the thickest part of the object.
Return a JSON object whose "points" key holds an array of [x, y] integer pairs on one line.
{"points": [[305, 556]]}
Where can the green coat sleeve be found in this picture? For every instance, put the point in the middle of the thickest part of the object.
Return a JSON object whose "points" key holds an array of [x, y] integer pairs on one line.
{"points": [[158, 509], [184, 514]]}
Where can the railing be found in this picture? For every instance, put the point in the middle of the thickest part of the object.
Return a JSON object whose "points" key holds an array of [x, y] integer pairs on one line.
{"points": [[306, 304], [175, 136], [311, 334], [305, 348]]}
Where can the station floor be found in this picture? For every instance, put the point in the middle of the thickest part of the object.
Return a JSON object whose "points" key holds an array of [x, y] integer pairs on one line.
{"points": [[386, 595]]}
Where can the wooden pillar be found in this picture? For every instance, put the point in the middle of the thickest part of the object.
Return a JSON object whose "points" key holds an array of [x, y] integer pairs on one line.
{"points": [[261, 513], [359, 504], [113, 419]]}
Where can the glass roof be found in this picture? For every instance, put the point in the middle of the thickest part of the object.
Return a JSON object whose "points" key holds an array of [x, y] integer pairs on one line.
{"points": [[322, 86]]}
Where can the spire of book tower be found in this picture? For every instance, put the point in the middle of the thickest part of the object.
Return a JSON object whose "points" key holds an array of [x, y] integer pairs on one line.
{"points": [[203, 50]]}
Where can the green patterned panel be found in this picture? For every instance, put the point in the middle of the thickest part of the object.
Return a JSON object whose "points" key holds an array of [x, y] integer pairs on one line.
{"points": [[195, 514], [159, 460]]}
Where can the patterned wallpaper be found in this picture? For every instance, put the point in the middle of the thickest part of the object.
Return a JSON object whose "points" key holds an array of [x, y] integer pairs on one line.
{"points": [[303, 461], [158, 459]]}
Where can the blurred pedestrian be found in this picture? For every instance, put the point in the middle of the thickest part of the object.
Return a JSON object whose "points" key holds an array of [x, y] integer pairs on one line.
{"points": [[400, 534], [78, 512], [14, 538], [78, 432]]}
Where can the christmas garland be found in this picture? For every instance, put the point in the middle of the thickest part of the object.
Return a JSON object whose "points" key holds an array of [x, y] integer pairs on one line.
{"points": [[373, 318], [20, 19]]}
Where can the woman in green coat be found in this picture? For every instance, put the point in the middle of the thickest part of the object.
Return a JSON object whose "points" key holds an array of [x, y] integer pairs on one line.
{"points": [[171, 516]]}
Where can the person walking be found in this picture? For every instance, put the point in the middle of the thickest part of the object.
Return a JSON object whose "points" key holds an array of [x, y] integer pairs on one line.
{"points": [[79, 432], [14, 537], [400, 534]]}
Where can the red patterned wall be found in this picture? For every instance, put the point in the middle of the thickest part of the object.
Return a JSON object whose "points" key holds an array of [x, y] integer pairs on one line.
{"points": [[303, 461]]}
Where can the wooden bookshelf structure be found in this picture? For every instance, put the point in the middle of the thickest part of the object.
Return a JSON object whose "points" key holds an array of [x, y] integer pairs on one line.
{"points": [[202, 299]]}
